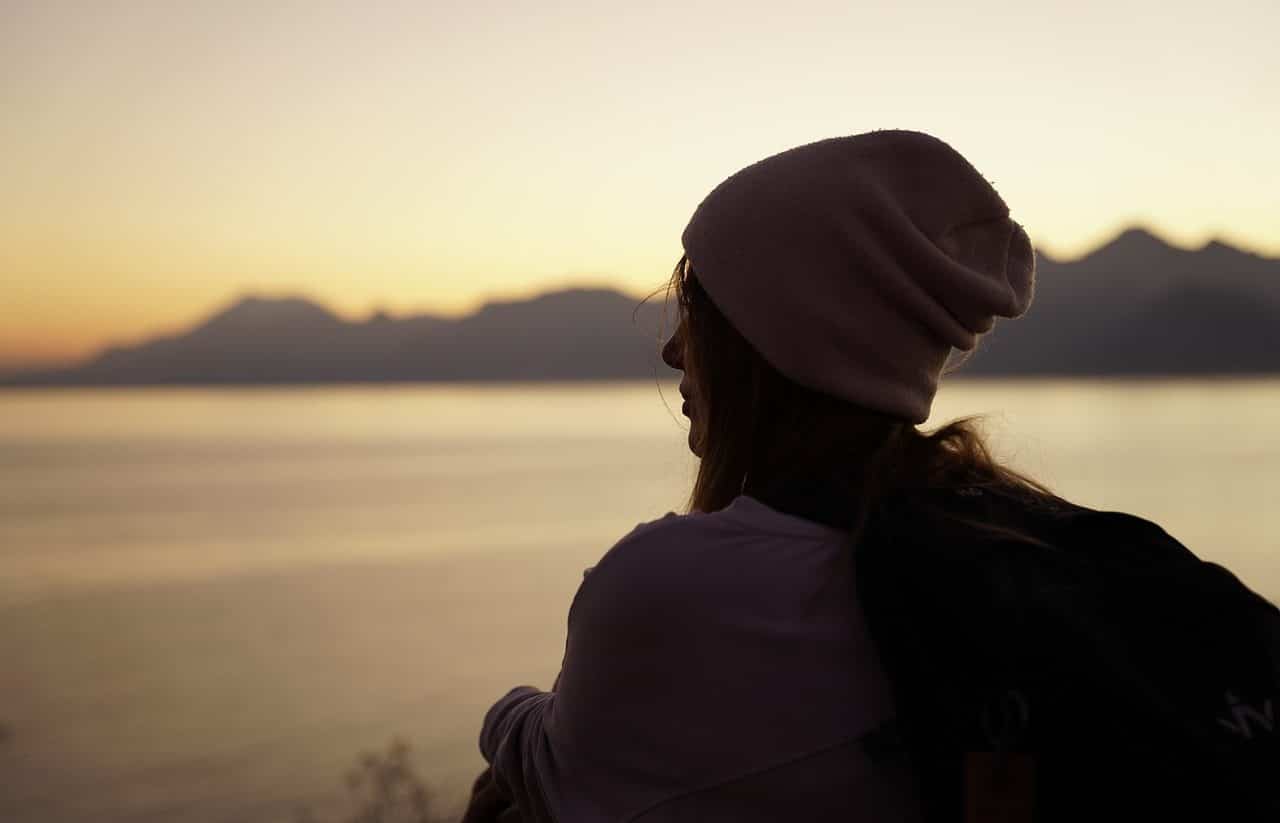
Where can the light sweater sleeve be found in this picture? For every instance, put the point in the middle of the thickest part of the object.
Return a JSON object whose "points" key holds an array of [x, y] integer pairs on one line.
{"points": [[514, 742], [586, 749]]}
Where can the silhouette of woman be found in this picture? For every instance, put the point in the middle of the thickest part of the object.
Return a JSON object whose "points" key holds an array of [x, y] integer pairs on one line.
{"points": [[720, 663]]}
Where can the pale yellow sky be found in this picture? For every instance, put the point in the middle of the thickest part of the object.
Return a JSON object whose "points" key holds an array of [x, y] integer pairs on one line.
{"points": [[160, 158]]}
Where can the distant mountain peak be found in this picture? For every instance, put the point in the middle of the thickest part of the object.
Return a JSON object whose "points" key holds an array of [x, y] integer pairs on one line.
{"points": [[1221, 248], [1139, 237], [1138, 240], [253, 301], [569, 298], [1135, 245], [254, 310]]}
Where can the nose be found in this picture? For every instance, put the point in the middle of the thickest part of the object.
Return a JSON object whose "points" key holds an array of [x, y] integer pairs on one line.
{"points": [[673, 349]]}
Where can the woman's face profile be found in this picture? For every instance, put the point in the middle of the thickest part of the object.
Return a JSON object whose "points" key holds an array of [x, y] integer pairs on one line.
{"points": [[673, 354]]}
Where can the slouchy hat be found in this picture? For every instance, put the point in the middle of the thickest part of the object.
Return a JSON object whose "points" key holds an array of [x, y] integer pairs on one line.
{"points": [[854, 265]]}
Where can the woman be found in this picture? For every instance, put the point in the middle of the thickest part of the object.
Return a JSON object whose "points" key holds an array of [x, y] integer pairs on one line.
{"points": [[719, 664]]}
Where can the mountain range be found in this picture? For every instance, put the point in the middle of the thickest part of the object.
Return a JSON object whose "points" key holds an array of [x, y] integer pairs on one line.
{"points": [[1134, 306]]}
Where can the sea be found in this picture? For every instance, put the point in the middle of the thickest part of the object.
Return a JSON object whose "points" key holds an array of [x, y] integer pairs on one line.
{"points": [[214, 602]]}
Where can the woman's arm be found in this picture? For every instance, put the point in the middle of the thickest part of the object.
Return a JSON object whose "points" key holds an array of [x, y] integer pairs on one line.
{"points": [[488, 803], [513, 742], [573, 752]]}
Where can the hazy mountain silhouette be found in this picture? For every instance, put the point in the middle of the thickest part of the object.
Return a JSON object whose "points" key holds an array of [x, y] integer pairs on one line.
{"points": [[563, 335], [1137, 305], [1134, 306]]}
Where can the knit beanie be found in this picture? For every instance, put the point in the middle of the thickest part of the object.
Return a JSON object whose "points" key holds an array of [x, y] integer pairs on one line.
{"points": [[854, 265]]}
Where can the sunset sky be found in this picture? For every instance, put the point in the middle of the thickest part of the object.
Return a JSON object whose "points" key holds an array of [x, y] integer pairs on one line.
{"points": [[159, 159]]}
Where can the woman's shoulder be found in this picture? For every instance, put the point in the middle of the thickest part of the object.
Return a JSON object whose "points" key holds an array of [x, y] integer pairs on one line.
{"points": [[744, 520], [650, 580], [736, 553], [667, 539], [649, 536]]}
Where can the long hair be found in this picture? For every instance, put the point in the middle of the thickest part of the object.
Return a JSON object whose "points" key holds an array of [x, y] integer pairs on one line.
{"points": [[757, 425]]}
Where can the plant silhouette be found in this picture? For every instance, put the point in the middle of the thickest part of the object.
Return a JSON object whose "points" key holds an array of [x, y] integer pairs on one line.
{"points": [[384, 788]]}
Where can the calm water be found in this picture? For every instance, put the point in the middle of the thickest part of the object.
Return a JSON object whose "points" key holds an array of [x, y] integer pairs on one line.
{"points": [[212, 600]]}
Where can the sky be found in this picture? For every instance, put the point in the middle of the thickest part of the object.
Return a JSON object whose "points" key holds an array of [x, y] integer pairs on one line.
{"points": [[160, 159]]}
